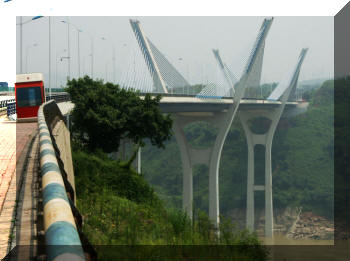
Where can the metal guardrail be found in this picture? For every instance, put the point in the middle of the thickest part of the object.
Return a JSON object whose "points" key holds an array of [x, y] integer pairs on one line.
{"points": [[61, 97], [10, 104], [62, 221], [4, 103], [11, 108]]}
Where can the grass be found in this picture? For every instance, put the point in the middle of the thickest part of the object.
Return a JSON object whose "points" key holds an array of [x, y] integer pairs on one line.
{"points": [[120, 209]]}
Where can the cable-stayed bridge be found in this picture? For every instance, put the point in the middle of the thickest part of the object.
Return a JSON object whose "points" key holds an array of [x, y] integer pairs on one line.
{"points": [[217, 103]]}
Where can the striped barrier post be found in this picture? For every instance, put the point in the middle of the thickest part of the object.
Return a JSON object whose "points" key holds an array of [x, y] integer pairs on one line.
{"points": [[61, 236]]}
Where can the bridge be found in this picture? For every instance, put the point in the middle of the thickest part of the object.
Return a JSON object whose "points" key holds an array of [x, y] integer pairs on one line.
{"points": [[214, 105], [217, 104]]}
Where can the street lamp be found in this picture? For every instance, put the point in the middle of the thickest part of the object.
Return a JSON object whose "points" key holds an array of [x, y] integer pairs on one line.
{"points": [[106, 77], [92, 56], [21, 37], [21, 23], [27, 52], [92, 48], [79, 31], [113, 57], [188, 90], [57, 53]]}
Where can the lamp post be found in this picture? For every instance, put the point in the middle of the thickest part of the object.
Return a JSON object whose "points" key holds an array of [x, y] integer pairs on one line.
{"points": [[27, 52], [113, 57], [57, 53], [91, 54], [21, 23], [68, 45], [78, 31], [50, 56], [92, 57], [106, 77]]}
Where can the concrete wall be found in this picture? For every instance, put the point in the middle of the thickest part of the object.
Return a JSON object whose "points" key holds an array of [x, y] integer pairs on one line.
{"points": [[61, 135]]}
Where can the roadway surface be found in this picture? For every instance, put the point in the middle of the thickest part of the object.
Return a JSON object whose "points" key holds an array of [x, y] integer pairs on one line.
{"points": [[13, 139]]}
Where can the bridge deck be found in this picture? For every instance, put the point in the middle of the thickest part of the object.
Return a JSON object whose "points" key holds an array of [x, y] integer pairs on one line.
{"points": [[170, 104]]}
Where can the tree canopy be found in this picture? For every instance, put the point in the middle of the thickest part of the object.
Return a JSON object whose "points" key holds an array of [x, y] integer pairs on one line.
{"points": [[104, 114]]}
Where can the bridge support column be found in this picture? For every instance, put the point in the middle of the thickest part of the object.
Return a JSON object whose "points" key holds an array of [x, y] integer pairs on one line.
{"points": [[187, 182], [209, 156], [139, 161], [265, 139]]}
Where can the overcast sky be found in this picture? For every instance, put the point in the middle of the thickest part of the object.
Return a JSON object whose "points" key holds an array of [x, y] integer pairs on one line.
{"points": [[189, 38]]}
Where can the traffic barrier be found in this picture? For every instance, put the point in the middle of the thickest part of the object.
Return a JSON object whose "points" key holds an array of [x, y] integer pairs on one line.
{"points": [[11, 108], [62, 238]]}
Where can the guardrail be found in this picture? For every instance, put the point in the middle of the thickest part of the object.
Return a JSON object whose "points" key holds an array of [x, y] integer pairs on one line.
{"points": [[61, 97], [11, 108], [62, 221], [4, 103]]}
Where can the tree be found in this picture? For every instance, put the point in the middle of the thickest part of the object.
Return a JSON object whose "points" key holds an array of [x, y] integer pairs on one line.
{"points": [[104, 114]]}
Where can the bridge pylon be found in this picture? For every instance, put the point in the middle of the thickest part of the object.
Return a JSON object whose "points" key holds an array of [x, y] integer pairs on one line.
{"points": [[265, 137], [222, 119]]}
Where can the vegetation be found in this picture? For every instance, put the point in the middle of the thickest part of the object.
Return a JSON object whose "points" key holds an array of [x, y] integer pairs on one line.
{"points": [[120, 114], [120, 208], [118, 205], [342, 153]]}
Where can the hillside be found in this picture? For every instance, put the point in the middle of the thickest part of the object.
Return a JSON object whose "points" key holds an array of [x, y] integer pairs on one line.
{"points": [[121, 210]]}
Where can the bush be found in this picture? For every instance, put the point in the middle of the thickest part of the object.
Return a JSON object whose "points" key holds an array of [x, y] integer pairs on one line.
{"points": [[95, 171]]}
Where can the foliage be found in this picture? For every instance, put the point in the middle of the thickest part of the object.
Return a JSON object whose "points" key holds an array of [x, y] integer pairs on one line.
{"points": [[131, 214], [342, 150], [305, 173], [120, 114], [96, 171]]}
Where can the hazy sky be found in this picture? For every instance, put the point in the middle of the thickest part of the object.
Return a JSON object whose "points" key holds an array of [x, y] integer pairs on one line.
{"points": [[190, 38]]}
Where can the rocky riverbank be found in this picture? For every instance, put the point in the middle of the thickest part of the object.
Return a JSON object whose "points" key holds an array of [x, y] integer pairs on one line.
{"points": [[292, 223], [310, 226]]}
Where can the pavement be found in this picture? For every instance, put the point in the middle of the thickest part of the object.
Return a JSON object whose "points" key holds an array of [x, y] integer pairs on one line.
{"points": [[13, 139]]}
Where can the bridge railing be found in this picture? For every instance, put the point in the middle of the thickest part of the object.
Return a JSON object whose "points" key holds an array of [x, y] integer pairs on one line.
{"points": [[58, 97], [11, 108], [8, 106], [64, 239]]}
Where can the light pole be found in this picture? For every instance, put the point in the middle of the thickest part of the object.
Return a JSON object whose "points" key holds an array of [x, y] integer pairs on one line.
{"points": [[187, 86], [92, 55], [57, 64], [106, 77], [113, 57], [27, 51], [79, 31], [68, 45], [21, 23], [50, 56]]}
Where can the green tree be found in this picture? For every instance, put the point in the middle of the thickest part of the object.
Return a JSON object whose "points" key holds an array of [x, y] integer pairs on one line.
{"points": [[104, 114]]}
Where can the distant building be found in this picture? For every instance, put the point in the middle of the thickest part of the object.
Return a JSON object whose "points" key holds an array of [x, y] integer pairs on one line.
{"points": [[4, 84], [4, 87]]}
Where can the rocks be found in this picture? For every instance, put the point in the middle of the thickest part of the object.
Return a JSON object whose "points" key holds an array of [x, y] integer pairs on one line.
{"points": [[292, 223], [310, 226]]}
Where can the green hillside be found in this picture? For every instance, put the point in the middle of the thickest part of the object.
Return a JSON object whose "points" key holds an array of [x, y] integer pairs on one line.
{"points": [[120, 209]]}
